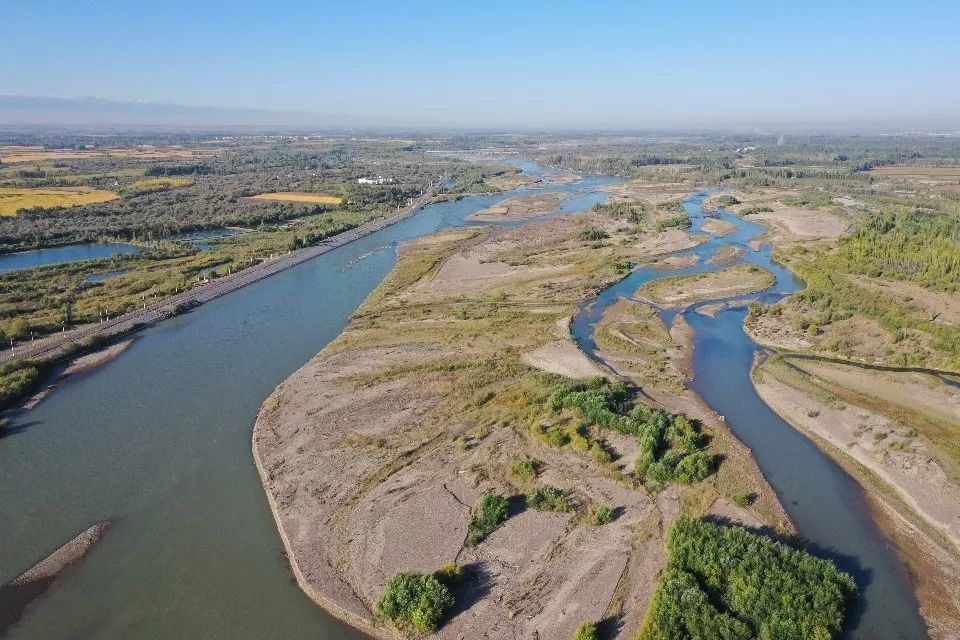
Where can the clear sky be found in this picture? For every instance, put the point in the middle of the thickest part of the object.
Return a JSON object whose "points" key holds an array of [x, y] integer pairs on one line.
{"points": [[517, 63]]}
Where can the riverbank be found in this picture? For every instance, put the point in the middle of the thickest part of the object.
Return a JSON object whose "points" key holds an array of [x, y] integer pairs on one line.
{"points": [[876, 431], [50, 349], [892, 431], [425, 399]]}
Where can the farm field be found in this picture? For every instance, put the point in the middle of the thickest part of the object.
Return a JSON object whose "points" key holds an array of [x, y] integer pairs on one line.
{"points": [[293, 196], [15, 200], [17, 154]]}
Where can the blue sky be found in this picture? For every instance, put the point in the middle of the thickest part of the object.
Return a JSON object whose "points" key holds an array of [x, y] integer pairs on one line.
{"points": [[596, 64]]}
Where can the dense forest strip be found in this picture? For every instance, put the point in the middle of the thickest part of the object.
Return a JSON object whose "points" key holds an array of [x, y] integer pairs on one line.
{"points": [[57, 345]]}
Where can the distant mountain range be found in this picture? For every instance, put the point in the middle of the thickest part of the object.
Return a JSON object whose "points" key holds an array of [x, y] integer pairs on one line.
{"points": [[18, 111]]}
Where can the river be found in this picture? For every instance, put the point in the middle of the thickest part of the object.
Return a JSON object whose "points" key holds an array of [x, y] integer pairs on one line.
{"points": [[827, 506], [159, 441]]}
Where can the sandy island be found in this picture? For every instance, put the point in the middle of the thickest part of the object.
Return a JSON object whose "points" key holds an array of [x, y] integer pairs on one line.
{"points": [[373, 453], [521, 208], [680, 291]]}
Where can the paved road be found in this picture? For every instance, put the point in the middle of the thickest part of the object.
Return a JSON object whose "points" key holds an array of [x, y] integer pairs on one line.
{"points": [[53, 346]]}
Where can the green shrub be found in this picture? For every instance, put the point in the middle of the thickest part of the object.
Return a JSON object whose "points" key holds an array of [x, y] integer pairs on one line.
{"points": [[524, 470], [587, 631], [727, 201], [743, 499], [547, 499], [694, 467], [490, 512], [603, 515], [600, 455], [576, 439], [16, 379], [555, 437], [681, 221], [725, 582], [665, 439], [759, 208], [592, 233], [415, 599], [449, 575]]}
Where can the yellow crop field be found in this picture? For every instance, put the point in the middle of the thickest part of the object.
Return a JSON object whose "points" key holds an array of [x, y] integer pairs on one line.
{"points": [[294, 196], [919, 171], [14, 200], [14, 155]]}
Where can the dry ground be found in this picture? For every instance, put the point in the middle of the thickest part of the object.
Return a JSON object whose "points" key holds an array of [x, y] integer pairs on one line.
{"points": [[373, 453], [681, 291]]}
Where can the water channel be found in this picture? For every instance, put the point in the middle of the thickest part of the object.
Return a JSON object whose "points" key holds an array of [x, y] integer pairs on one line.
{"points": [[159, 442]]}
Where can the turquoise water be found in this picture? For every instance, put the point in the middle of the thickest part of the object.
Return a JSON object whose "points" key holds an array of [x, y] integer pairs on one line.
{"points": [[159, 441], [826, 505]]}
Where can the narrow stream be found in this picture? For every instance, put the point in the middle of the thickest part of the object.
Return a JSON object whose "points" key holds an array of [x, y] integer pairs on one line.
{"points": [[826, 505], [159, 441]]}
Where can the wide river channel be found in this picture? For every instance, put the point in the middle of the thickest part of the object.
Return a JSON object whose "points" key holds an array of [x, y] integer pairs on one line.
{"points": [[159, 442]]}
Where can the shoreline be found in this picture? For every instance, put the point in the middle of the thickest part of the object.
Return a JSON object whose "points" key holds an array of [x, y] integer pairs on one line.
{"points": [[896, 515], [359, 475]]}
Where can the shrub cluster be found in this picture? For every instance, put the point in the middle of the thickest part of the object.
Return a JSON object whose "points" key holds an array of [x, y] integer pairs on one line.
{"points": [[671, 445], [490, 512], [681, 221], [725, 582], [524, 470], [547, 499], [592, 233], [586, 631], [603, 515], [417, 600]]}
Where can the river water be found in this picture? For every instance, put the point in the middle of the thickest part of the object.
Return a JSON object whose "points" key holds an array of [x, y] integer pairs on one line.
{"points": [[826, 505], [59, 255], [159, 442]]}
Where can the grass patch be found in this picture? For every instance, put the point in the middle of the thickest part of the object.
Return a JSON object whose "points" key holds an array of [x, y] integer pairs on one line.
{"points": [[491, 511]]}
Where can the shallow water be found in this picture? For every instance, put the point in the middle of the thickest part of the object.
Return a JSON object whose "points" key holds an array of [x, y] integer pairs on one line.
{"points": [[159, 440], [826, 505], [59, 255]]}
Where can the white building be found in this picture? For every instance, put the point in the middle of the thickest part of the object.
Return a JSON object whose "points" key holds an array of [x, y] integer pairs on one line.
{"points": [[377, 180]]}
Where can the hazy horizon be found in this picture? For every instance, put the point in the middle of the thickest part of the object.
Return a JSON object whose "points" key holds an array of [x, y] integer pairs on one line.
{"points": [[856, 66]]}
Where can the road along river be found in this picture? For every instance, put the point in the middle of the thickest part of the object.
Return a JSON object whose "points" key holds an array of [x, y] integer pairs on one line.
{"points": [[159, 442], [826, 505]]}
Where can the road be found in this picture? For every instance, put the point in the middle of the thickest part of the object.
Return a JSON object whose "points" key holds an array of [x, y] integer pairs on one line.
{"points": [[54, 346]]}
